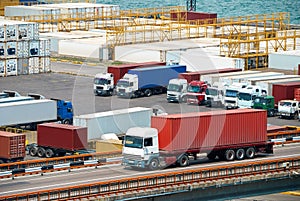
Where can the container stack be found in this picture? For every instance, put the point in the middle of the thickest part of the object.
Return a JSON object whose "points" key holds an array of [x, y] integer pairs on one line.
{"points": [[22, 52]]}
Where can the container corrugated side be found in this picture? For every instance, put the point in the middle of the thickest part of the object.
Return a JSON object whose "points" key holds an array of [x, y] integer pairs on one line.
{"points": [[62, 136], [208, 130], [297, 94], [12, 145], [284, 91], [116, 121]]}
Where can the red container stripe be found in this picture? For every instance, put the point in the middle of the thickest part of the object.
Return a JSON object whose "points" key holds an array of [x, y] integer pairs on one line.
{"points": [[210, 129], [62, 136], [12, 145]]}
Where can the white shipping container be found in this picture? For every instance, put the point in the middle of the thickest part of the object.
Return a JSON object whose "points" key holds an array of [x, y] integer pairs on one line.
{"points": [[34, 65], [11, 49], [44, 64], [22, 49], [2, 33], [2, 68], [22, 66], [44, 47], [11, 67], [24, 112], [34, 48], [287, 60], [10, 32], [116, 121]]}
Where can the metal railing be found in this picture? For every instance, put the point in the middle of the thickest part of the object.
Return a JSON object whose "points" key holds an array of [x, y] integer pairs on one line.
{"points": [[262, 169]]}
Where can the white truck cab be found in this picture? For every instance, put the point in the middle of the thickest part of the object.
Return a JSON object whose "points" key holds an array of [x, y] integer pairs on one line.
{"points": [[231, 95], [289, 109], [127, 86], [214, 97], [176, 90], [104, 84], [140, 147], [247, 95]]}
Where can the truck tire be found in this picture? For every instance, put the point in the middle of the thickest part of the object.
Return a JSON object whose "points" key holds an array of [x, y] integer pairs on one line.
{"points": [[153, 165], [182, 99], [148, 92], [211, 156], [295, 115], [183, 160], [271, 113], [66, 121], [240, 154], [1, 161], [41, 152], [229, 155], [250, 152], [49, 153], [33, 150]]}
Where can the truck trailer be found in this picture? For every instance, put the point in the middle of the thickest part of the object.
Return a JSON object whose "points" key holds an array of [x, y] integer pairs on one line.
{"points": [[29, 113], [58, 140], [177, 138], [12, 147], [147, 81]]}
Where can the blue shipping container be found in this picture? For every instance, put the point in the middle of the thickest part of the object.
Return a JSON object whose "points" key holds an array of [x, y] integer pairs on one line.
{"points": [[157, 76]]}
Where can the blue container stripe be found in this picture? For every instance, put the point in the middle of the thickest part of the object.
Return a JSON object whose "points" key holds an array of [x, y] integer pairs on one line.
{"points": [[157, 76]]}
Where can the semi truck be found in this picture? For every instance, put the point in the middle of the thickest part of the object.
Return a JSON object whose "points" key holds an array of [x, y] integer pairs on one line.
{"points": [[214, 97], [29, 113], [247, 95], [266, 103], [178, 138], [58, 140], [176, 90], [289, 109], [231, 95], [196, 92], [147, 81], [12, 147], [104, 83]]}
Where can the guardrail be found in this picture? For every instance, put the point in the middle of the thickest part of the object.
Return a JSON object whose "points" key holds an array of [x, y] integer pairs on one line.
{"points": [[290, 134], [185, 179]]}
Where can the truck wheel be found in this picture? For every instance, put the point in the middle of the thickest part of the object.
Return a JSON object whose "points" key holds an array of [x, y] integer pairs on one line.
{"points": [[67, 121], [1, 161], [153, 165], [229, 155], [183, 160], [250, 152], [271, 113], [296, 115], [211, 156], [33, 151], [183, 99], [240, 154], [148, 92], [41, 152], [49, 153]]}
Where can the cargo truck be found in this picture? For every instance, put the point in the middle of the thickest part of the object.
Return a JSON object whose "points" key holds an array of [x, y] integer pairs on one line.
{"points": [[196, 92], [247, 95], [147, 81], [29, 113], [12, 147], [266, 103], [58, 140], [176, 90], [289, 109], [178, 138], [214, 97], [104, 83]]}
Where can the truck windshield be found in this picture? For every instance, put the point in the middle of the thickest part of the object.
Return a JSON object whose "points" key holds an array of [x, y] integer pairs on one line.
{"points": [[231, 93], [123, 83], [212, 92], [260, 100], [194, 89], [244, 96], [174, 87], [133, 142], [286, 104], [101, 81]]}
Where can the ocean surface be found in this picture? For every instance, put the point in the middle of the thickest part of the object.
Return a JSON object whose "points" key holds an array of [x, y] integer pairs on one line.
{"points": [[224, 8]]}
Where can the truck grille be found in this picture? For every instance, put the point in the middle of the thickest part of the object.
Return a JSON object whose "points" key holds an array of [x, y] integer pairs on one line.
{"points": [[132, 157], [230, 101], [100, 87], [122, 90]]}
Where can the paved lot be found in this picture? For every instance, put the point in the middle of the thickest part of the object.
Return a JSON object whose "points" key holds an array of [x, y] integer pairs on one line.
{"points": [[75, 83]]}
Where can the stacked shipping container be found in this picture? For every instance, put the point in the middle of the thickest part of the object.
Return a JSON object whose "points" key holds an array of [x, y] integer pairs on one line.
{"points": [[21, 50]]}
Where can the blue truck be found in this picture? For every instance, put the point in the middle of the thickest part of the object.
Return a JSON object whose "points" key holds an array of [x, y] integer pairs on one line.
{"points": [[147, 81]]}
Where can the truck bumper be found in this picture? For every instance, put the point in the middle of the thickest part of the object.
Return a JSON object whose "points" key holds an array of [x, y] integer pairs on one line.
{"points": [[101, 92], [133, 163], [172, 99], [193, 101]]}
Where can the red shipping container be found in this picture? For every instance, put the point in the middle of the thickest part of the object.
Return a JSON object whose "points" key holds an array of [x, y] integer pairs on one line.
{"points": [[190, 76], [207, 130], [120, 70], [12, 146], [191, 15], [297, 94], [62, 136], [284, 91]]}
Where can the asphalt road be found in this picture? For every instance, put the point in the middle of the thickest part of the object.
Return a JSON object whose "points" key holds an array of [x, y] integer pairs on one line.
{"points": [[75, 83]]}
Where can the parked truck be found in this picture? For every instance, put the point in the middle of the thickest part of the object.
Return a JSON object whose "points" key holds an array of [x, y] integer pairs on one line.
{"points": [[178, 138], [196, 92], [147, 81], [266, 103], [214, 97], [29, 113], [289, 109], [247, 95], [231, 95], [176, 90], [12, 147], [58, 140], [104, 83]]}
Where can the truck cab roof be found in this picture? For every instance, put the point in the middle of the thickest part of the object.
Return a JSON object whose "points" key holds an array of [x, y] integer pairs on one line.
{"points": [[142, 132]]}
